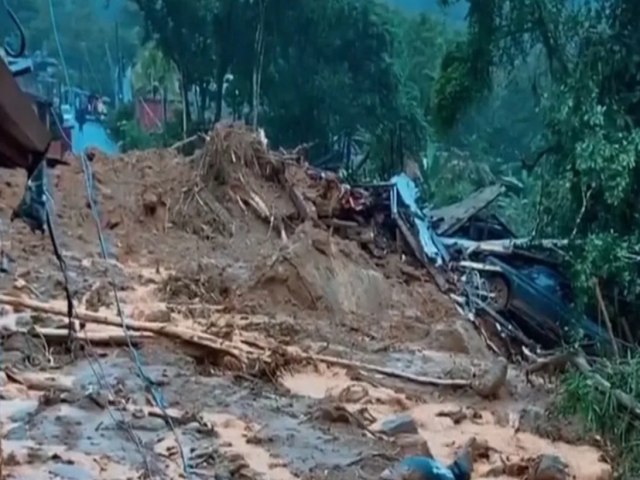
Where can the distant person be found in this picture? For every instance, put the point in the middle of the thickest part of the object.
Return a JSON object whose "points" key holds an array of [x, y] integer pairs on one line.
{"points": [[81, 117]]}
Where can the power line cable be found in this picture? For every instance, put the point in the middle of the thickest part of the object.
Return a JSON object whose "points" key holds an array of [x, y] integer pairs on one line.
{"points": [[88, 180]]}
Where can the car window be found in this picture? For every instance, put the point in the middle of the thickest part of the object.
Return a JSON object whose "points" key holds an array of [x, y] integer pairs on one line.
{"points": [[545, 279]]}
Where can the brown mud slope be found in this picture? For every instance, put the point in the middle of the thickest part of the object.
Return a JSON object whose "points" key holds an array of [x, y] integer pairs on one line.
{"points": [[308, 332]]}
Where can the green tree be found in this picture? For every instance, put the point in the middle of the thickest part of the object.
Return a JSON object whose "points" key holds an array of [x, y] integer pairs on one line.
{"points": [[86, 37], [183, 30]]}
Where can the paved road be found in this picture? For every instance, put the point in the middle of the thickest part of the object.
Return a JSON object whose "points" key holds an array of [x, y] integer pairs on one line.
{"points": [[93, 135]]}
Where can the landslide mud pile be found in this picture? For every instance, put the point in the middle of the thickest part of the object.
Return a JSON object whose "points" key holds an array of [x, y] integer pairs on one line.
{"points": [[242, 243]]}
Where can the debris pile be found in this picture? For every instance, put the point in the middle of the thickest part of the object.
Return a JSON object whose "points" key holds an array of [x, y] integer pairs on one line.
{"points": [[513, 292]]}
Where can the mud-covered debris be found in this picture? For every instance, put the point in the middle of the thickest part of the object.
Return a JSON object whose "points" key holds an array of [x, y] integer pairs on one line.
{"points": [[548, 467], [478, 449], [148, 424], [456, 416], [151, 202], [99, 296], [201, 282], [336, 413], [352, 393], [489, 383], [158, 316], [513, 468], [398, 424], [456, 336]]}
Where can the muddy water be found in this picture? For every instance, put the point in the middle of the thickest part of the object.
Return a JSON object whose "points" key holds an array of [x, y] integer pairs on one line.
{"points": [[443, 436], [266, 426], [80, 440]]}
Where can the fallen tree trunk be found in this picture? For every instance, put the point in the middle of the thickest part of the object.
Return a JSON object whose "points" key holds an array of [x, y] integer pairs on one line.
{"points": [[626, 400], [161, 329]]}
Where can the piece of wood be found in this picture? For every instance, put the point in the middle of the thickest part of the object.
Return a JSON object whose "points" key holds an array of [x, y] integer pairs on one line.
{"points": [[181, 143], [37, 381], [501, 246], [455, 215], [478, 266], [605, 315], [438, 278], [305, 209], [206, 341], [337, 223], [236, 350]]}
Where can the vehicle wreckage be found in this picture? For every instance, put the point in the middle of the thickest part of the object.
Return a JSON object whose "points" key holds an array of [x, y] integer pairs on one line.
{"points": [[511, 288]]}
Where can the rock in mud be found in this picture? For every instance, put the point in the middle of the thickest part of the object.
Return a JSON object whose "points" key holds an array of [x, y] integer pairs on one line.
{"points": [[412, 444], [148, 424], [456, 337], [399, 424], [489, 384], [530, 419], [548, 467]]}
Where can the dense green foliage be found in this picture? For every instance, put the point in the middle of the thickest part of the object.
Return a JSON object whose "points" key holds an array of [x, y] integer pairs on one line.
{"points": [[583, 60], [87, 32], [312, 71]]}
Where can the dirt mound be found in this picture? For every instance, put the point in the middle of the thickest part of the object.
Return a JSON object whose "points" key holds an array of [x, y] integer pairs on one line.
{"points": [[315, 272], [236, 222]]}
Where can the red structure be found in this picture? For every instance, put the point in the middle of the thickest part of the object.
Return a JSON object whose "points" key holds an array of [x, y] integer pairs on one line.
{"points": [[150, 114]]}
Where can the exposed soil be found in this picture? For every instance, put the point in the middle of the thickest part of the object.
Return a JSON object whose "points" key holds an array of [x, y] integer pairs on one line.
{"points": [[207, 260]]}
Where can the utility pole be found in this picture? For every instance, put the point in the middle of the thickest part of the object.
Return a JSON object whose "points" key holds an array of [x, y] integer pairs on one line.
{"points": [[118, 66]]}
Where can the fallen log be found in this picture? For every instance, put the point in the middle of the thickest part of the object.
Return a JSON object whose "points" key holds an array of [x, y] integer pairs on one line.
{"points": [[238, 351], [110, 339], [554, 363], [388, 372], [37, 381], [206, 341], [627, 401]]}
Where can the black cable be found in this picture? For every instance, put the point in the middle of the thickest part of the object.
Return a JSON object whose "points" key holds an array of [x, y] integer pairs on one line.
{"points": [[23, 38]]}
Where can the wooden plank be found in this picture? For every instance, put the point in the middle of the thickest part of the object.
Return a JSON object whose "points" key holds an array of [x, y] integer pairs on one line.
{"points": [[453, 216]]}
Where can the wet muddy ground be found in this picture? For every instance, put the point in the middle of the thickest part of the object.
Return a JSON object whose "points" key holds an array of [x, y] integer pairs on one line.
{"points": [[90, 415]]}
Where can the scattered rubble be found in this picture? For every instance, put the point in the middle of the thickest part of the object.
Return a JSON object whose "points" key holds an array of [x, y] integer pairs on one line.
{"points": [[292, 322]]}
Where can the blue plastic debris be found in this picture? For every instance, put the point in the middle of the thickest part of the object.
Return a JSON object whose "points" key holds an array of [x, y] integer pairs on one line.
{"points": [[425, 468], [407, 191]]}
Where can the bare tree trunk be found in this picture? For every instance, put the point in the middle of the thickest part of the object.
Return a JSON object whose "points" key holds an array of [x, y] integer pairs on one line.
{"points": [[220, 74], [164, 107], [185, 103], [257, 66]]}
